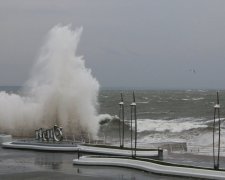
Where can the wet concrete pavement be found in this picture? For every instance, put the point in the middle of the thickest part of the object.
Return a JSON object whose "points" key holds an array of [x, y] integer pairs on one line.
{"points": [[39, 165]]}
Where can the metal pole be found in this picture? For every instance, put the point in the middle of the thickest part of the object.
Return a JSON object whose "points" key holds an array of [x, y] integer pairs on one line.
{"points": [[122, 120], [216, 110], [214, 160], [133, 112], [121, 111], [218, 157], [78, 153], [135, 131], [135, 118], [119, 127], [131, 129]]}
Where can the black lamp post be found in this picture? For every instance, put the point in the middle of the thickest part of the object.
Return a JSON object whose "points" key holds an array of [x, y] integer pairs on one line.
{"points": [[121, 116], [216, 112], [133, 113]]}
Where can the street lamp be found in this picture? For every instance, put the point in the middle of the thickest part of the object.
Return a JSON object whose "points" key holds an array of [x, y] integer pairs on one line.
{"points": [[134, 115], [121, 116], [216, 112]]}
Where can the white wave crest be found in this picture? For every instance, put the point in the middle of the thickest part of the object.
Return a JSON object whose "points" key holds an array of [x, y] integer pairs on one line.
{"points": [[142, 102], [177, 125], [105, 116]]}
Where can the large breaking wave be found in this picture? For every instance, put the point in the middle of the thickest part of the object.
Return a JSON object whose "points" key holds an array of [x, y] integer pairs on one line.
{"points": [[61, 90]]}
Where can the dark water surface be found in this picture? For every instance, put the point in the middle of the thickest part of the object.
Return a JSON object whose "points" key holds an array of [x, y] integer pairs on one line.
{"points": [[163, 104]]}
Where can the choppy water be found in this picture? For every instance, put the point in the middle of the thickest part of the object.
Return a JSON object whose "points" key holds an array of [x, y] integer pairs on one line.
{"points": [[165, 116], [163, 105]]}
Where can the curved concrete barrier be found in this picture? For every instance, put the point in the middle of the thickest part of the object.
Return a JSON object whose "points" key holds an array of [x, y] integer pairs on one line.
{"points": [[5, 138], [120, 152], [152, 167], [42, 147], [84, 149]]}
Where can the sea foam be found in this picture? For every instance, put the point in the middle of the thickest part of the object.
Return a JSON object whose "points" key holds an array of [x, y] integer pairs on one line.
{"points": [[176, 125]]}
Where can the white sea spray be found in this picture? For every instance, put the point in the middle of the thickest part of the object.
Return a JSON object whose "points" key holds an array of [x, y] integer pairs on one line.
{"points": [[61, 90]]}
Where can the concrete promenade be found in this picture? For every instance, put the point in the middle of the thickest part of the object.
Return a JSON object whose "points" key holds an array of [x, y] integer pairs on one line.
{"points": [[173, 170]]}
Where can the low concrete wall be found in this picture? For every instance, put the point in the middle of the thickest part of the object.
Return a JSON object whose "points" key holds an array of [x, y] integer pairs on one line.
{"points": [[174, 146], [5, 138], [162, 169]]}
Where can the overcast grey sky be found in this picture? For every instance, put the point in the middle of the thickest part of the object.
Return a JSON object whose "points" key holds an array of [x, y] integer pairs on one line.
{"points": [[127, 43]]}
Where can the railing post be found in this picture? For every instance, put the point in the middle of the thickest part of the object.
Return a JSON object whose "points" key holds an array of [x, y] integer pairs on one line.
{"points": [[160, 153], [78, 153]]}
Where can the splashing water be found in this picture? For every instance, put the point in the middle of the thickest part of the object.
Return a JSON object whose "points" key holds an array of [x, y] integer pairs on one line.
{"points": [[61, 91]]}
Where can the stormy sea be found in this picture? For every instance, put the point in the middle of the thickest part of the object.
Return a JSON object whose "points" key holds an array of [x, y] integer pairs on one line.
{"points": [[163, 117], [166, 116]]}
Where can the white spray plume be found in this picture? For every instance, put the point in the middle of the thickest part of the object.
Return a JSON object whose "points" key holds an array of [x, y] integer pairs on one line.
{"points": [[61, 91]]}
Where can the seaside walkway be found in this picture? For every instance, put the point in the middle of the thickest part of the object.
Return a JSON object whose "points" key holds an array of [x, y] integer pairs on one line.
{"points": [[152, 166]]}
